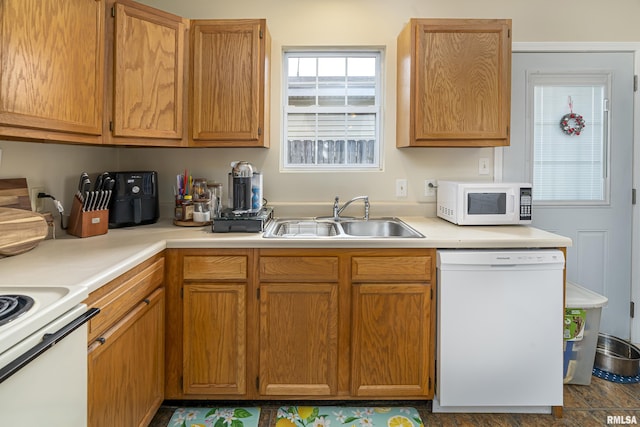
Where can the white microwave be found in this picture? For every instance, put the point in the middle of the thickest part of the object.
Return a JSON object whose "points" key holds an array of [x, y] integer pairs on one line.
{"points": [[484, 203]]}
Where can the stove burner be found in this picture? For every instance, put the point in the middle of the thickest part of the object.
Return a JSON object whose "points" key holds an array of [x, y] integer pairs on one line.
{"points": [[13, 306]]}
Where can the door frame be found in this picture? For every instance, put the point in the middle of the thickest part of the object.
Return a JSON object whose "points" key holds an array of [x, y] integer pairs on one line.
{"points": [[635, 227]]}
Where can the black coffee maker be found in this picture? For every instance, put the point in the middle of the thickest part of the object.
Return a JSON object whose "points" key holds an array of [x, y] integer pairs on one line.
{"points": [[241, 176], [134, 200], [245, 211], [245, 183]]}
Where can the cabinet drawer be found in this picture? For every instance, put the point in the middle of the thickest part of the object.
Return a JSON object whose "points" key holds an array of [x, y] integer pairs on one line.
{"points": [[299, 268], [391, 268], [122, 294], [195, 267]]}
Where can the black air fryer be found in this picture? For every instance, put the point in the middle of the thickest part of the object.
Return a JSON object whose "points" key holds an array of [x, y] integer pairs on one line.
{"points": [[134, 200]]}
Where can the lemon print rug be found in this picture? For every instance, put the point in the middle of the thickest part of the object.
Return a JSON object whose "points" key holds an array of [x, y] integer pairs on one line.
{"points": [[215, 417], [345, 416]]}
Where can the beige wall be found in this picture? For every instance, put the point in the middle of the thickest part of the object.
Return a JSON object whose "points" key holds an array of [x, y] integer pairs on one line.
{"points": [[378, 21], [321, 23], [54, 167]]}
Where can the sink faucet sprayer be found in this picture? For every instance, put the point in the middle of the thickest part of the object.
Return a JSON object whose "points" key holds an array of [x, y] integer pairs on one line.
{"points": [[337, 210]]}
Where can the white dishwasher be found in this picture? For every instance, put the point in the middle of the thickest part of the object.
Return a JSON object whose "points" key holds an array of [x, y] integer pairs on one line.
{"points": [[499, 331]]}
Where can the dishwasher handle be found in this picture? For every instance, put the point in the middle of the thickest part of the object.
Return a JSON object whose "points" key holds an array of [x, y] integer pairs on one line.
{"points": [[48, 341]]}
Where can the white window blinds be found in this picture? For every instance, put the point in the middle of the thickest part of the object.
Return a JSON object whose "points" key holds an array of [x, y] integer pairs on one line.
{"points": [[569, 168]]}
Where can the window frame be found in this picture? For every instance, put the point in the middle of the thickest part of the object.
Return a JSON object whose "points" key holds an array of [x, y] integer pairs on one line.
{"points": [[377, 108]]}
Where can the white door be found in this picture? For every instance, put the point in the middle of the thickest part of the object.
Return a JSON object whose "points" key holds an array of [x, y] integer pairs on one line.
{"points": [[581, 182]]}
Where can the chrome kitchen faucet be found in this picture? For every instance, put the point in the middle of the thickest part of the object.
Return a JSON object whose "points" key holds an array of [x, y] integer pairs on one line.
{"points": [[337, 210]]}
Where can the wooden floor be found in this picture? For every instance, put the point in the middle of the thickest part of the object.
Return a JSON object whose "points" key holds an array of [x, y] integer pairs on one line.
{"points": [[584, 406]]}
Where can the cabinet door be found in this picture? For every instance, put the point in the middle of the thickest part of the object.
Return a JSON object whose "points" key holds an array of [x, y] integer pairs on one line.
{"points": [[461, 83], [298, 339], [391, 333], [52, 69], [228, 85], [214, 342], [126, 368], [147, 74]]}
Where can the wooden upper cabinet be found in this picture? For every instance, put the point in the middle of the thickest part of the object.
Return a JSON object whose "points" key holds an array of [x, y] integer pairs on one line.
{"points": [[146, 89], [229, 86], [51, 85], [454, 83]]}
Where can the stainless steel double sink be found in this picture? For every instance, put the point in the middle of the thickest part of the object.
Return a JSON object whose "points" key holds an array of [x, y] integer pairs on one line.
{"points": [[305, 228]]}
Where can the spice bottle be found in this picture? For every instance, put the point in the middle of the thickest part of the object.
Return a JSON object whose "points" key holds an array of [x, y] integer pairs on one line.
{"points": [[187, 208], [177, 215]]}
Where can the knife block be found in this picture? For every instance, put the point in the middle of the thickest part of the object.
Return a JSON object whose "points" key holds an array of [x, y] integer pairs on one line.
{"points": [[87, 223]]}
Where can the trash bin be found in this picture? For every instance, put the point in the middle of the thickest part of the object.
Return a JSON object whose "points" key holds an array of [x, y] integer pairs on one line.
{"points": [[581, 328]]}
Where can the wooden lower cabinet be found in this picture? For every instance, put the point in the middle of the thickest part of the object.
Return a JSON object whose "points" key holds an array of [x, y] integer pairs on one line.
{"points": [[298, 339], [391, 340], [298, 322], [126, 372], [207, 323], [214, 343], [266, 324], [126, 348]]}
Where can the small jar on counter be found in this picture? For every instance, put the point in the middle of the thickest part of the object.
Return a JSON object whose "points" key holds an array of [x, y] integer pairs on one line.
{"points": [[201, 211], [200, 190], [215, 204]]}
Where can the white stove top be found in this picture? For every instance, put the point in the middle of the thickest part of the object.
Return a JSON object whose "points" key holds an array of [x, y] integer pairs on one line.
{"points": [[49, 303]]}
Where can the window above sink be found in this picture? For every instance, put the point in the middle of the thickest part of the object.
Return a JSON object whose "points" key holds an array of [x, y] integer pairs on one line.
{"points": [[332, 109]]}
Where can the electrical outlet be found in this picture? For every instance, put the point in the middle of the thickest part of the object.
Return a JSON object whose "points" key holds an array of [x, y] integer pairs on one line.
{"points": [[430, 186], [37, 205], [483, 166], [401, 188]]}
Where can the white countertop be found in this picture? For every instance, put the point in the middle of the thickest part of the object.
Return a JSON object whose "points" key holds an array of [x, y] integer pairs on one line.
{"points": [[91, 262]]}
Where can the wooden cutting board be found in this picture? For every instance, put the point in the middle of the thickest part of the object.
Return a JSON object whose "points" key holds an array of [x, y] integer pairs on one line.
{"points": [[20, 231], [14, 193]]}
